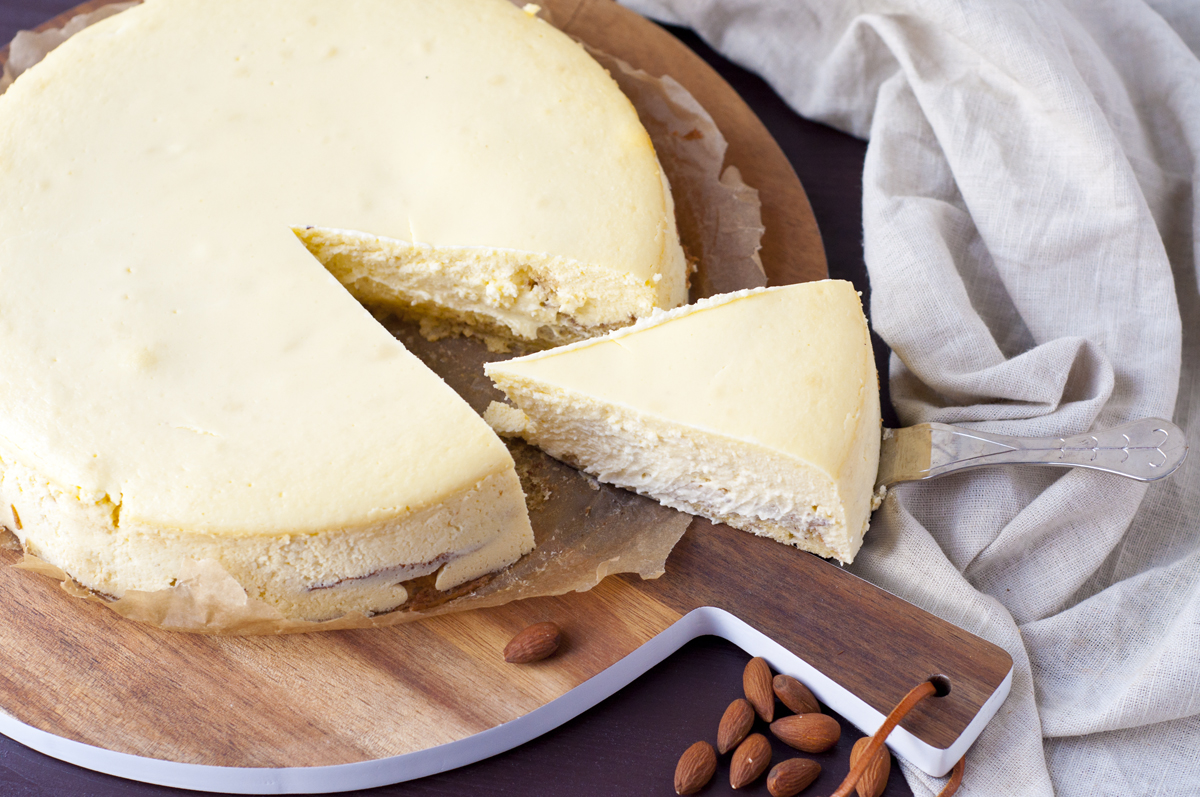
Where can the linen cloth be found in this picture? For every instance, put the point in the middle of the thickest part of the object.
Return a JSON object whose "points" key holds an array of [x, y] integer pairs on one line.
{"points": [[1030, 233]]}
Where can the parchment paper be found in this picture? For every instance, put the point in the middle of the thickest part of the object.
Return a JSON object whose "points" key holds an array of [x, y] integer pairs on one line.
{"points": [[584, 530], [718, 215], [27, 48]]}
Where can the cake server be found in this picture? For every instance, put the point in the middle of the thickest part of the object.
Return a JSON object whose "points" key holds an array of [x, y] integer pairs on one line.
{"points": [[1146, 450]]}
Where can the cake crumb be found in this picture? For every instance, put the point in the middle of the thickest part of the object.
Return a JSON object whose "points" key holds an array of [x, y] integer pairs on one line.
{"points": [[505, 420]]}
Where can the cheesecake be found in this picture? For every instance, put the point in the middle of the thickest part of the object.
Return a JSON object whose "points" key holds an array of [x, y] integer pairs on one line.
{"points": [[197, 199], [757, 409]]}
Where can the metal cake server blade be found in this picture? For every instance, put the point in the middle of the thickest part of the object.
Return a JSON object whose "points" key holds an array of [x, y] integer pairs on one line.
{"points": [[1145, 450]]}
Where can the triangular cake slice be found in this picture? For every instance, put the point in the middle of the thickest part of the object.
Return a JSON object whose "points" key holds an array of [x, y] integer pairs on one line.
{"points": [[757, 409]]}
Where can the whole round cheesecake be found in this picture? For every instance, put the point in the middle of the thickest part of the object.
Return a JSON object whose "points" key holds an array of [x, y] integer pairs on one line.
{"points": [[194, 197]]}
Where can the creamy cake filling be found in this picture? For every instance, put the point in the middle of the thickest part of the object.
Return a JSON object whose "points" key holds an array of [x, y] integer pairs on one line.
{"points": [[497, 293], [727, 481]]}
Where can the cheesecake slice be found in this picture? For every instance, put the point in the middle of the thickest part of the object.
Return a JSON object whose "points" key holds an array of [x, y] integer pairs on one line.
{"points": [[195, 198], [758, 409]]}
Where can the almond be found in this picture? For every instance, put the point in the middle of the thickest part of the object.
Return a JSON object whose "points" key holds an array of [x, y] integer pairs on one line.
{"points": [[792, 776], [695, 768], [756, 681], [750, 760], [533, 644], [811, 733], [795, 695], [735, 724], [875, 777]]}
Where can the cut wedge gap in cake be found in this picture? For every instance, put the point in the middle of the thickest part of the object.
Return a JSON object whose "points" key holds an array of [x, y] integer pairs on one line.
{"points": [[500, 295], [758, 409]]}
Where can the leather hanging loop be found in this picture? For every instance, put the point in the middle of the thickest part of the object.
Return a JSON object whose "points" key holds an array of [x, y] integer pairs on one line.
{"points": [[936, 685]]}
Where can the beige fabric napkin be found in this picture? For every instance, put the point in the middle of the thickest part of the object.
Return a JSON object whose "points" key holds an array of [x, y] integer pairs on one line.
{"points": [[1030, 227]]}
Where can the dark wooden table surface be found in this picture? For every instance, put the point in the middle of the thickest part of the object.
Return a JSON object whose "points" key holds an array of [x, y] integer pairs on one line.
{"points": [[629, 743]]}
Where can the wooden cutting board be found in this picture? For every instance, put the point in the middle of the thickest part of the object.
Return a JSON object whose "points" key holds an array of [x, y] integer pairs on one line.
{"points": [[77, 672]]}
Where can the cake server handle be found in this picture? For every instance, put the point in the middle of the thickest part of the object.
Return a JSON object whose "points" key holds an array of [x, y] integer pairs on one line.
{"points": [[1146, 450]]}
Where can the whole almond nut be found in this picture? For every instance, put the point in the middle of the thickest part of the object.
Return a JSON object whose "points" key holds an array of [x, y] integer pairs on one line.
{"points": [[811, 733], [875, 777], [695, 768], [792, 776], [533, 644], [750, 760], [735, 724], [795, 695], [756, 681]]}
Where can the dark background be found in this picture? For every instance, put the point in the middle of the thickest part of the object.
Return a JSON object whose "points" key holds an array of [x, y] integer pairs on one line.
{"points": [[628, 744]]}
